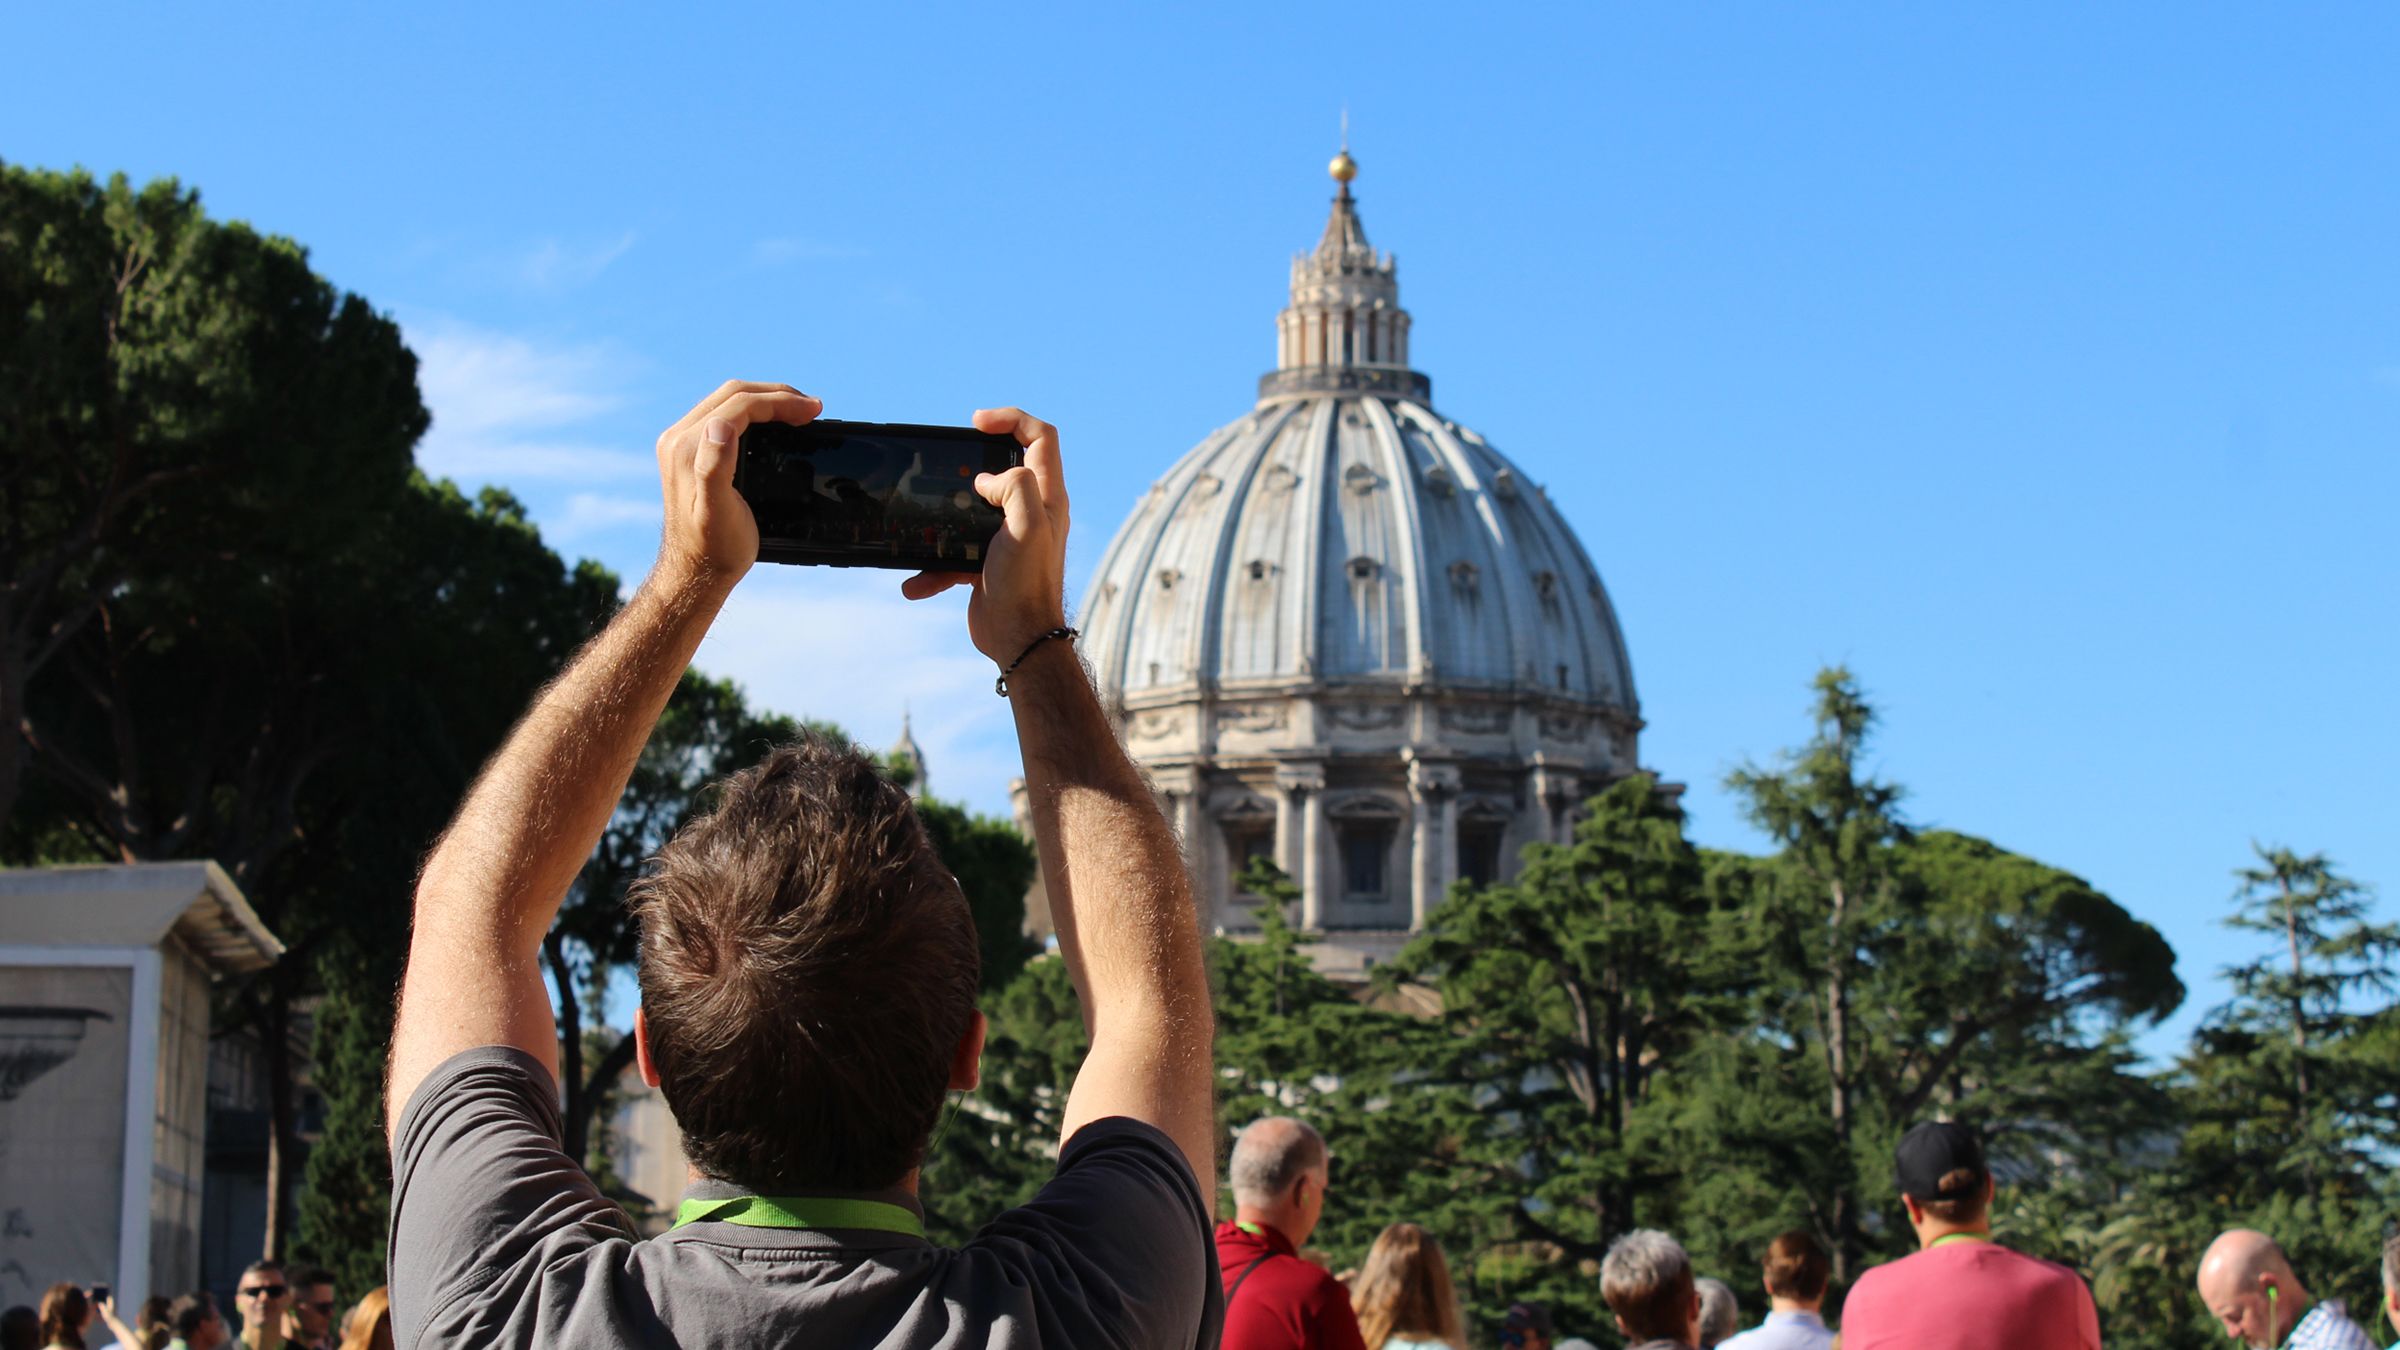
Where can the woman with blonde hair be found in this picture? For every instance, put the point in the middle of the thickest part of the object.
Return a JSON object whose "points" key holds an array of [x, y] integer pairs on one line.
{"points": [[67, 1314], [1403, 1295], [370, 1324]]}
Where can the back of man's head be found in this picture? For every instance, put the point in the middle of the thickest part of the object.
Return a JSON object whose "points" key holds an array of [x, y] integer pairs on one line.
{"points": [[1720, 1314], [1269, 1155], [1940, 1165], [808, 968], [1647, 1280], [190, 1313], [1796, 1266]]}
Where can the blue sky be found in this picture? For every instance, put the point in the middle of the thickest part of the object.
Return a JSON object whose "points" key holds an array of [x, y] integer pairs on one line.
{"points": [[2042, 363]]}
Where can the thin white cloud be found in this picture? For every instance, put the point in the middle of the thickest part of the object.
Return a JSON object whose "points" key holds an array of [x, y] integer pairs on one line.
{"points": [[840, 645], [554, 265], [508, 409], [590, 513], [794, 248]]}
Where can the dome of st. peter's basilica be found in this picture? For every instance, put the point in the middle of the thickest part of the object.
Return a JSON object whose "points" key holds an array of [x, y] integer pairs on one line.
{"points": [[1348, 632]]}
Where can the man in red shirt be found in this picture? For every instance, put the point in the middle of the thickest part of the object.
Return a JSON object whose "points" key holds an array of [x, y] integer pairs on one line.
{"points": [[1961, 1290], [1274, 1300]]}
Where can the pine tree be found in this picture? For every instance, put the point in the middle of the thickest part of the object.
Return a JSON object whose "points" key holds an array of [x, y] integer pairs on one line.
{"points": [[346, 1203]]}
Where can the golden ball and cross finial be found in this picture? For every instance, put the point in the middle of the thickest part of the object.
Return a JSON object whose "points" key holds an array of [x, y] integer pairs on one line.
{"points": [[1343, 168]]}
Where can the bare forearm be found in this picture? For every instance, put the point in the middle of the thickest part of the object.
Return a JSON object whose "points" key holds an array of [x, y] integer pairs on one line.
{"points": [[1118, 894], [506, 862]]}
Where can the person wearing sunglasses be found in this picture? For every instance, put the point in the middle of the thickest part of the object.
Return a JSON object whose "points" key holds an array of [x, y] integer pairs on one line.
{"points": [[264, 1300], [315, 1301]]}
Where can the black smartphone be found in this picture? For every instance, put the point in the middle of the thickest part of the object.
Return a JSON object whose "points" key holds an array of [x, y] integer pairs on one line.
{"points": [[872, 494], [99, 1293]]}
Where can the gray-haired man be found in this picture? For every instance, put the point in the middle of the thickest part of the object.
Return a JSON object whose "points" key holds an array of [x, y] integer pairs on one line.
{"points": [[1647, 1280], [1274, 1298]]}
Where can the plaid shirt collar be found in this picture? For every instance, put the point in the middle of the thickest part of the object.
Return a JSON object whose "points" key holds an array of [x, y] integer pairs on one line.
{"points": [[2328, 1327]]}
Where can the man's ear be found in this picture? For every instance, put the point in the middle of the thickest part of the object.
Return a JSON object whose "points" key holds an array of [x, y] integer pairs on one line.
{"points": [[641, 1047], [1914, 1206], [966, 1058]]}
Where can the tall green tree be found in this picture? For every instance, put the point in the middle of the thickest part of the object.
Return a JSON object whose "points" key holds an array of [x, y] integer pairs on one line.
{"points": [[2294, 1083], [1917, 974], [1567, 994], [188, 409], [1835, 827]]}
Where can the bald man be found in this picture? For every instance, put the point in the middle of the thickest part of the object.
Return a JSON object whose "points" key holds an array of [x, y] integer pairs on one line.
{"points": [[1275, 1300], [2248, 1285]]}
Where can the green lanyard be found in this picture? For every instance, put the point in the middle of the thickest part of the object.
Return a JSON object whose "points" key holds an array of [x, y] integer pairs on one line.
{"points": [[1955, 1237], [801, 1211]]}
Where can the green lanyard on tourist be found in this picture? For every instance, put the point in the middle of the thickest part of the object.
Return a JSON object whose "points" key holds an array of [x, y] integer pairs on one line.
{"points": [[1248, 1227], [1956, 1237], [801, 1211]]}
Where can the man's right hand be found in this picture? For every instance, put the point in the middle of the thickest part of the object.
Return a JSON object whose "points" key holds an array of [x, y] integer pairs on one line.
{"points": [[710, 533], [1021, 592]]}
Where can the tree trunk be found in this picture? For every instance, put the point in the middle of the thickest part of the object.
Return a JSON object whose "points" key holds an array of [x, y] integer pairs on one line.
{"points": [[283, 1136], [574, 1094], [595, 1090], [12, 736], [2291, 937], [1837, 1055]]}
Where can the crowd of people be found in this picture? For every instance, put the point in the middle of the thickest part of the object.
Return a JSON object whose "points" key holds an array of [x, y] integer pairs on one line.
{"points": [[1960, 1290], [278, 1310]]}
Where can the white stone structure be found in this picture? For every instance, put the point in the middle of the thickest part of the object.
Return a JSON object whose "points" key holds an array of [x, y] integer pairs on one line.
{"points": [[1347, 632], [105, 978]]}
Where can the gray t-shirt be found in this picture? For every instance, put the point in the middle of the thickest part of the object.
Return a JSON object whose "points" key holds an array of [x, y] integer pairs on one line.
{"points": [[498, 1240]]}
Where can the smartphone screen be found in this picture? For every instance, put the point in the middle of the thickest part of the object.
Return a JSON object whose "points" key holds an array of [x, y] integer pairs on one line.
{"points": [[872, 494]]}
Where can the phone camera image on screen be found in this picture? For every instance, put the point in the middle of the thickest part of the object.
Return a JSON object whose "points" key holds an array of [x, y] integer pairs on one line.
{"points": [[872, 494]]}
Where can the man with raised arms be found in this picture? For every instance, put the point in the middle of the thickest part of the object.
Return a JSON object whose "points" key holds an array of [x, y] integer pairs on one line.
{"points": [[808, 971]]}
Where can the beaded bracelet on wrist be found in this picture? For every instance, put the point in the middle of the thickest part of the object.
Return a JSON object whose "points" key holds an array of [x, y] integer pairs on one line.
{"points": [[1000, 686]]}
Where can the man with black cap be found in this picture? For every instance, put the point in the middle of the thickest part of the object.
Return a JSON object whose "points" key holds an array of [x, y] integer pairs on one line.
{"points": [[1961, 1290]]}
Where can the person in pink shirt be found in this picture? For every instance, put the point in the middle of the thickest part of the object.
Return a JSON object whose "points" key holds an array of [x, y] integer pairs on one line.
{"points": [[1961, 1290]]}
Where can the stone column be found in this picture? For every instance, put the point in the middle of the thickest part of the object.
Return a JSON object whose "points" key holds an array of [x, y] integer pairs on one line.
{"points": [[1287, 827], [1300, 792], [1537, 802], [1179, 791], [1433, 809]]}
